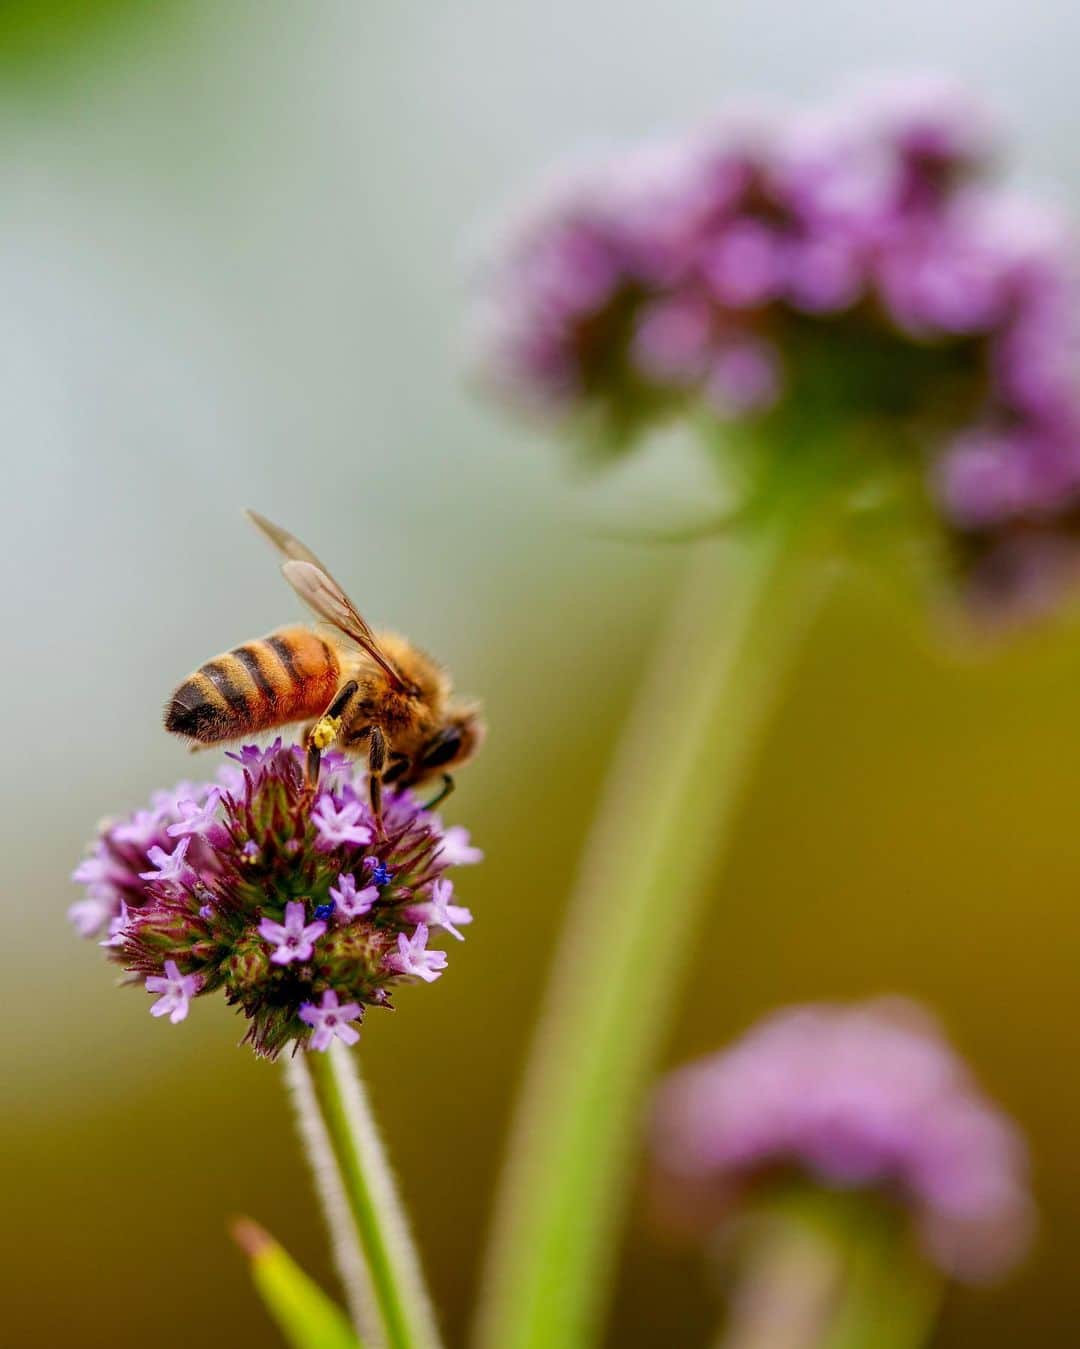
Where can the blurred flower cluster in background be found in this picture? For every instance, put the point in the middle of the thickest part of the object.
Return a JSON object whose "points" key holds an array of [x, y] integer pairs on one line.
{"points": [[845, 286], [866, 1098], [232, 258]]}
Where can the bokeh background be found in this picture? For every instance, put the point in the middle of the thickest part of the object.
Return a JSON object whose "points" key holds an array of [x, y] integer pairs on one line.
{"points": [[232, 241]]}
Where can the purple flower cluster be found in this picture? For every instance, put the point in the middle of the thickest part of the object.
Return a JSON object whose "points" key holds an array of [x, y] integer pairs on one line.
{"points": [[866, 1097], [290, 903], [852, 268]]}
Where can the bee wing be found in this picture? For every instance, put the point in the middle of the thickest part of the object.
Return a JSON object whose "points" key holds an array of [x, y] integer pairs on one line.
{"points": [[320, 592], [284, 541]]}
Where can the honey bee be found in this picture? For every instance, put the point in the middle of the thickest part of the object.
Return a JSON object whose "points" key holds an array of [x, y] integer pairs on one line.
{"points": [[374, 695]]}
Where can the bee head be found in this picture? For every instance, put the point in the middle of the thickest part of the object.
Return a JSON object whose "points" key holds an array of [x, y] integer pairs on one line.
{"points": [[454, 744]]}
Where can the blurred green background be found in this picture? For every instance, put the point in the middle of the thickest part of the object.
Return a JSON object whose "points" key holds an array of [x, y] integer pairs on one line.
{"points": [[232, 242]]}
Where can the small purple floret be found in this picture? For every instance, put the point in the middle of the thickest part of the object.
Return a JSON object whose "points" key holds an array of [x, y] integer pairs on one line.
{"points": [[437, 911], [170, 868], [353, 903], [176, 991], [339, 824], [413, 958], [330, 1020], [196, 818], [294, 939]]}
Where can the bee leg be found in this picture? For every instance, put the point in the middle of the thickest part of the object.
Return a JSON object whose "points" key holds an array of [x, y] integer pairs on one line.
{"points": [[376, 764], [326, 730], [396, 766], [314, 762], [444, 791]]}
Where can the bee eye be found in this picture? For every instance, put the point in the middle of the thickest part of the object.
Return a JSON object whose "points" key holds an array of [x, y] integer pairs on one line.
{"points": [[443, 748]]}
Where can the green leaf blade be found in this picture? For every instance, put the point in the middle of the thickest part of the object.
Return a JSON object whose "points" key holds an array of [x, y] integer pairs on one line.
{"points": [[306, 1316]]}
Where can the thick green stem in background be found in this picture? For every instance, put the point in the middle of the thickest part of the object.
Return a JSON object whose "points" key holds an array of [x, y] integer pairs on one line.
{"points": [[374, 1251], [664, 824], [819, 1270]]}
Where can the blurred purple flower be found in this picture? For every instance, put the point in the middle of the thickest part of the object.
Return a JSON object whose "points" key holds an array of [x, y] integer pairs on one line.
{"points": [[89, 916], [937, 132], [743, 377], [225, 907], [861, 1097], [937, 278], [824, 272], [141, 830], [981, 479], [850, 268], [456, 851], [743, 267], [673, 340]]}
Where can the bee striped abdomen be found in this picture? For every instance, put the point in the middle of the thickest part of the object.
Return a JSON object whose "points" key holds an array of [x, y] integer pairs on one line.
{"points": [[289, 676]]}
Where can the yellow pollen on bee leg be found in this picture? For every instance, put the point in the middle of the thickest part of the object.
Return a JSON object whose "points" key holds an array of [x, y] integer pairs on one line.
{"points": [[325, 732]]}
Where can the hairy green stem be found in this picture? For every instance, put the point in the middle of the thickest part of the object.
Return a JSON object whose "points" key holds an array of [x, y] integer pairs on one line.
{"points": [[375, 1253], [664, 823], [348, 1258]]}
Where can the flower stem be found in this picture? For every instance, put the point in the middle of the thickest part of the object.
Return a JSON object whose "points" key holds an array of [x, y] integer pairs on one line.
{"points": [[831, 1271], [784, 1292], [376, 1258], [665, 821]]}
